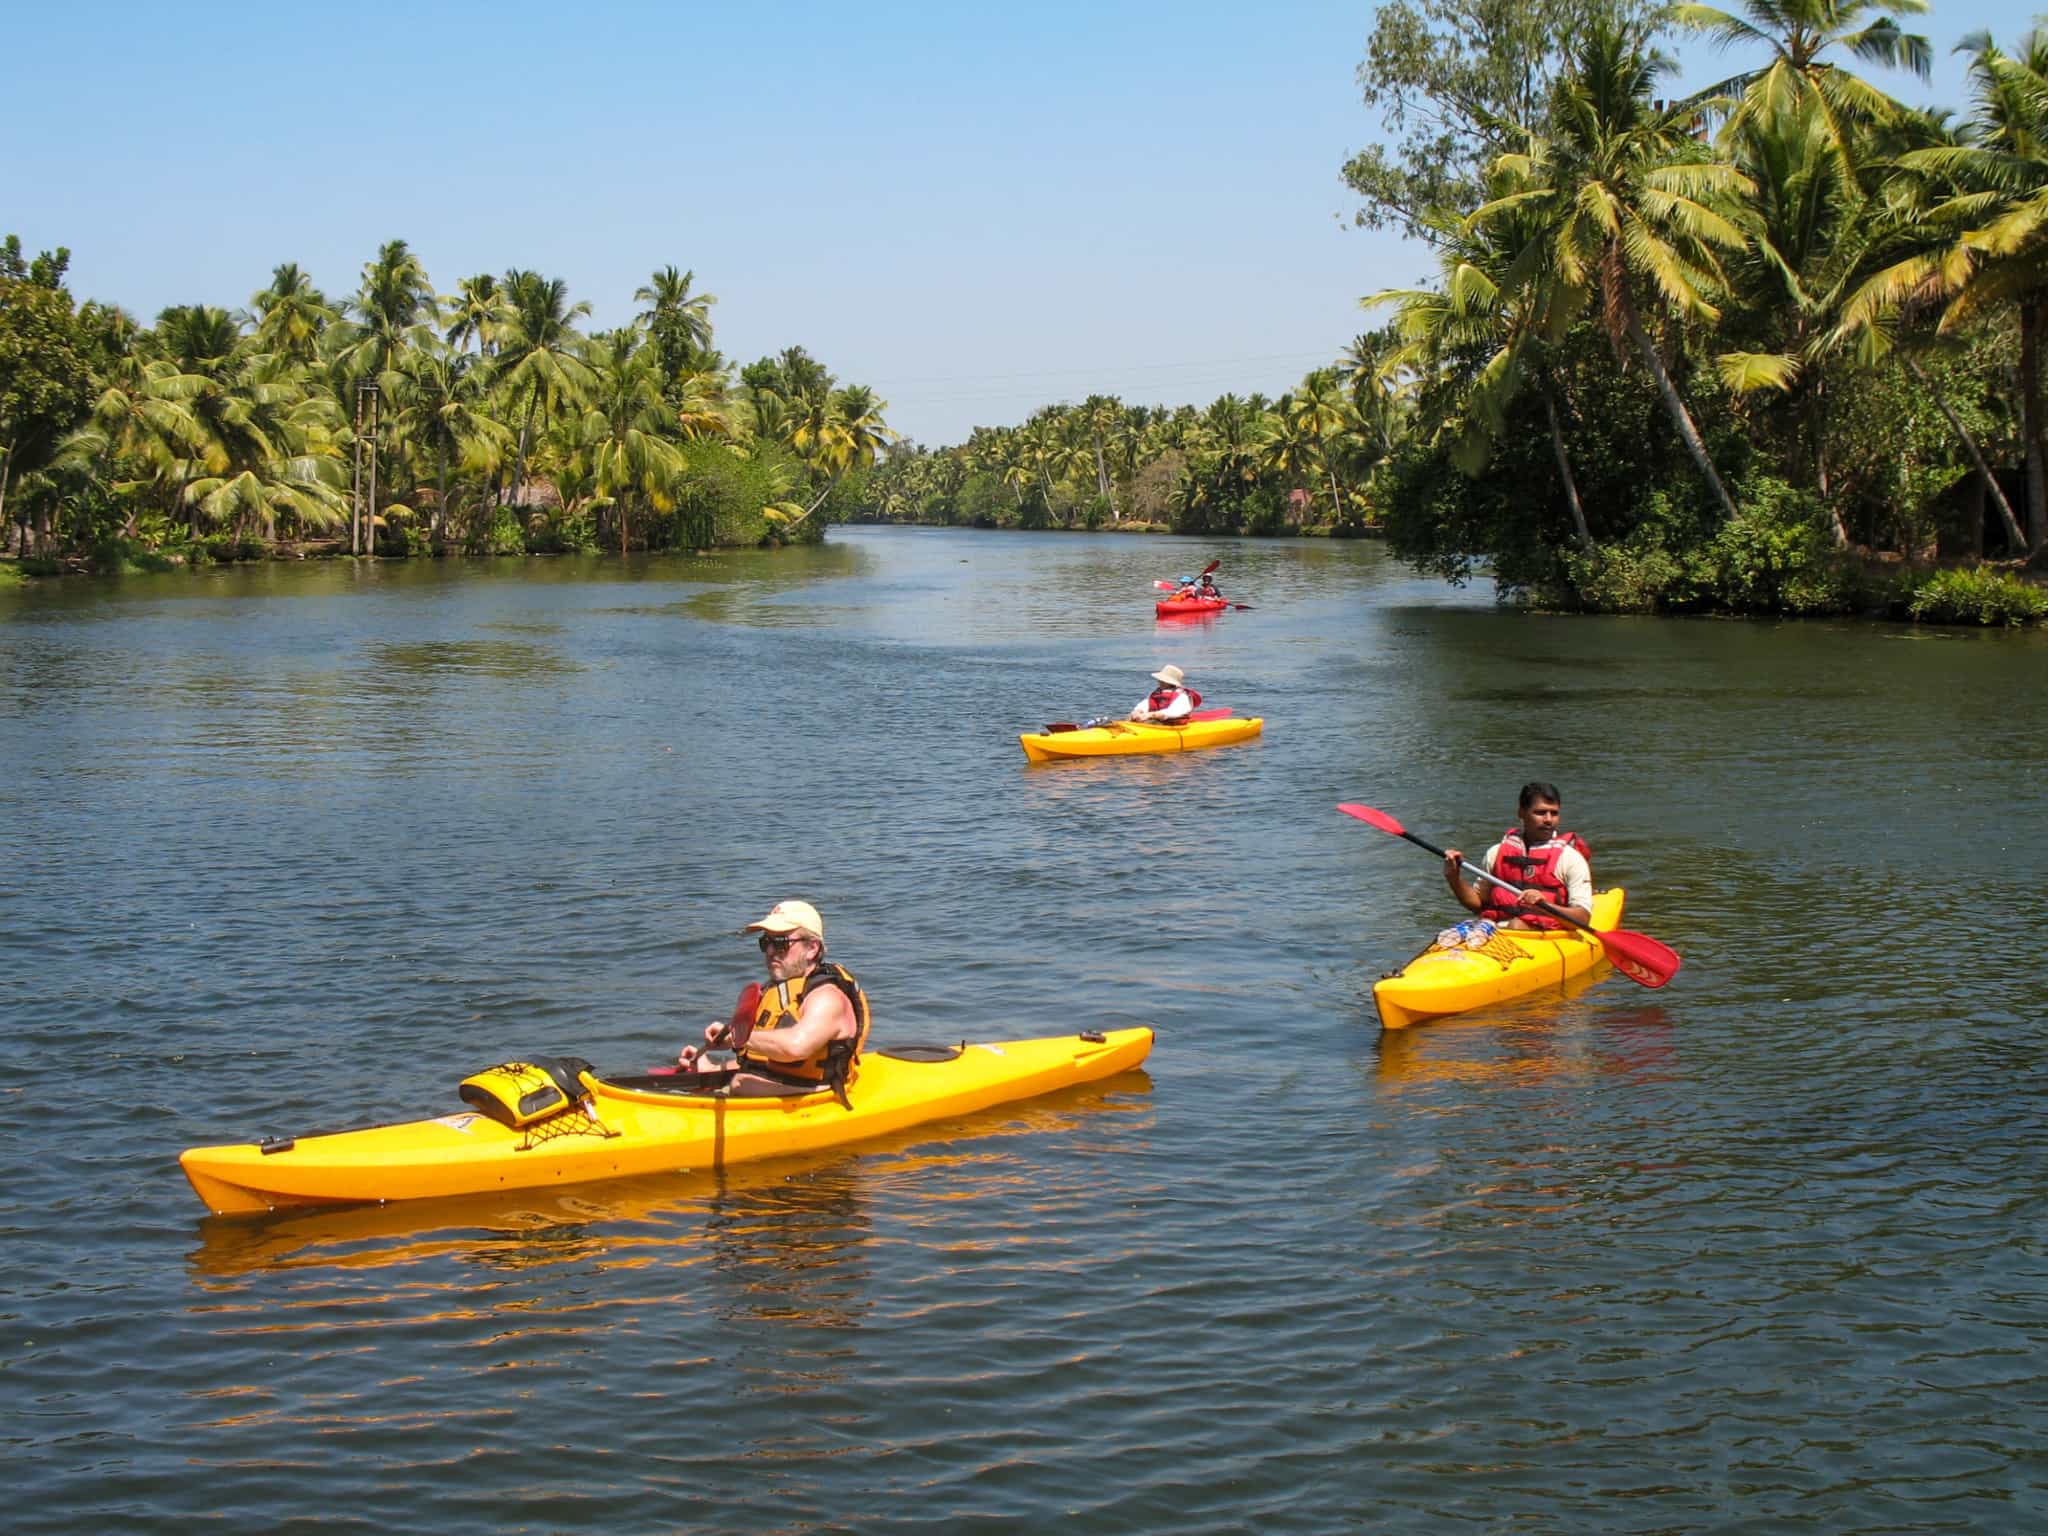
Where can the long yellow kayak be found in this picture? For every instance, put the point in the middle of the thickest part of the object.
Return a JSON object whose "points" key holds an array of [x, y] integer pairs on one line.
{"points": [[621, 1126], [1441, 982], [1122, 736]]}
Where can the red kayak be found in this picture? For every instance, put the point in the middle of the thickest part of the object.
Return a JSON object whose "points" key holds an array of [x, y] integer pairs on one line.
{"points": [[1187, 607]]}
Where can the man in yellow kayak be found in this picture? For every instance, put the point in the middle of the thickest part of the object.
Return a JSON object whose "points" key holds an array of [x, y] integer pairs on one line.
{"points": [[805, 1028], [1549, 865], [1169, 701]]}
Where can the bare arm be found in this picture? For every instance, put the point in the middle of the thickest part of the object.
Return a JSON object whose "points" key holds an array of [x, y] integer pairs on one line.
{"points": [[1467, 893], [825, 1016]]}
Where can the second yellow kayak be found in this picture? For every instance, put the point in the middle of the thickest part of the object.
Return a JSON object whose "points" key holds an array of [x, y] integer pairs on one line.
{"points": [[1441, 982], [1124, 736]]}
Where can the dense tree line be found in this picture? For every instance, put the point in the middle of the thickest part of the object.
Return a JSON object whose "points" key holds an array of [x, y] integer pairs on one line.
{"points": [[1760, 346], [403, 419]]}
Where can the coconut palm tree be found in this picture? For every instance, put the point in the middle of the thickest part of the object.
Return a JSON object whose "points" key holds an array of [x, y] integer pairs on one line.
{"points": [[1626, 208], [1798, 33], [622, 431], [540, 355], [1983, 236], [477, 311], [678, 320], [291, 315]]}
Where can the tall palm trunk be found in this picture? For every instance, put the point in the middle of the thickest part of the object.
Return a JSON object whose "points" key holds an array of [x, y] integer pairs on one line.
{"points": [[1816, 426], [1989, 480], [2030, 423], [440, 499], [1680, 416], [1564, 468], [525, 433]]}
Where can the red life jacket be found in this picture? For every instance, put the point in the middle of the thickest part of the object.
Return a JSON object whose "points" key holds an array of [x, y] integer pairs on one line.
{"points": [[1161, 697], [1536, 869]]}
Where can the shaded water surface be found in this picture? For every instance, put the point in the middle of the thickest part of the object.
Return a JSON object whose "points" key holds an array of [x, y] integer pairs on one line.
{"points": [[289, 849]]}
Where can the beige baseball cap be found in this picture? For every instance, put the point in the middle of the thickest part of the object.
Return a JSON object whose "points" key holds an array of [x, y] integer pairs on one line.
{"points": [[787, 917]]}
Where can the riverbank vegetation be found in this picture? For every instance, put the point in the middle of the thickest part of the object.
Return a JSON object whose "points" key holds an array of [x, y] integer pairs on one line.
{"points": [[1770, 344], [401, 420]]}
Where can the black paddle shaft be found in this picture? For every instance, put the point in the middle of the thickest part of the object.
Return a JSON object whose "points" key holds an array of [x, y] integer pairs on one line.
{"points": [[1551, 907]]}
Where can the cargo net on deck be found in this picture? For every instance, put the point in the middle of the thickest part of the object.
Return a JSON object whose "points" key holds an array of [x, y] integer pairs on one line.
{"points": [[544, 1097], [1498, 948]]}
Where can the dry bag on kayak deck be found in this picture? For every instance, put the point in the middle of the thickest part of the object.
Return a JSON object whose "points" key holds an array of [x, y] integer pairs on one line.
{"points": [[523, 1093]]}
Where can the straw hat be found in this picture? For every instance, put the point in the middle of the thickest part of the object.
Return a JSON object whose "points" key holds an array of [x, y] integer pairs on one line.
{"points": [[1170, 676]]}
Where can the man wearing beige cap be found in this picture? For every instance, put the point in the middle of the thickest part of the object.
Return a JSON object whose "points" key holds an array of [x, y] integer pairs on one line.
{"points": [[808, 1026], [1169, 701]]}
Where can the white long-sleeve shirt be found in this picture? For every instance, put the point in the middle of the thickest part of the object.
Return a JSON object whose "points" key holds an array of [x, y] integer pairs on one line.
{"points": [[1179, 707]]}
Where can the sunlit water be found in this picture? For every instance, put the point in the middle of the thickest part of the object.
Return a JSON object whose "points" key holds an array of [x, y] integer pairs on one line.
{"points": [[297, 848]]}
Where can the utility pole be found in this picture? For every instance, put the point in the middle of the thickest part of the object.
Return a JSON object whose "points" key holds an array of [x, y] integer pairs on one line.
{"points": [[362, 526]]}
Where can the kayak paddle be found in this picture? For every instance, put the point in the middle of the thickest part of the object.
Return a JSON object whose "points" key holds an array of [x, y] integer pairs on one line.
{"points": [[1083, 725], [1637, 956], [735, 1032]]}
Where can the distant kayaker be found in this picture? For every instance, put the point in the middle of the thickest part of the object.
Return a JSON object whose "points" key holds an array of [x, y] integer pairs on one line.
{"points": [[1206, 588], [808, 1028], [1548, 864], [1169, 701]]}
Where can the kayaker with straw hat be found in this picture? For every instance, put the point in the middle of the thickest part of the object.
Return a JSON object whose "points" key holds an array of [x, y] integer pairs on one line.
{"points": [[1548, 864], [1169, 701], [805, 1029]]}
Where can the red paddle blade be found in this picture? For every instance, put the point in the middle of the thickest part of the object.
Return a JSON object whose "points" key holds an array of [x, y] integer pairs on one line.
{"points": [[1640, 958], [1167, 586], [1373, 818], [741, 1024], [1210, 568], [1210, 714]]}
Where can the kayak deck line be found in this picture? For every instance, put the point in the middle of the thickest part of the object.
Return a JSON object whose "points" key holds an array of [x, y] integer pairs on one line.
{"points": [[642, 1125]]}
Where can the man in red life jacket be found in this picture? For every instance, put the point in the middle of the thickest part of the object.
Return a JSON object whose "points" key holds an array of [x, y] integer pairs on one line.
{"points": [[1169, 701], [1548, 864]]}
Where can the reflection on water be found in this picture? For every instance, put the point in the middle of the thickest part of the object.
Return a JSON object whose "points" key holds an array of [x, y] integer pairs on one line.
{"points": [[751, 1210], [478, 658]]}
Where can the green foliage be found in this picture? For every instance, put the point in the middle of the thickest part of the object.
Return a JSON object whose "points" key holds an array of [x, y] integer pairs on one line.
{"points": [[1455, 81], [1773, 556], [571, 533], [502, 532], [11, 573], [1976, 595], [118, 556]]}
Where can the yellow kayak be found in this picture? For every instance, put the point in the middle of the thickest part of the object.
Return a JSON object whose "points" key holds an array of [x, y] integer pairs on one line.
{"points": [[1122, 736], [1440, 982], [621, 1126]]}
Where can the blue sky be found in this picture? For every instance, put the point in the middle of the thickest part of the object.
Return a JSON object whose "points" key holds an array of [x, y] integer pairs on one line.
{"points": [[976, 211]]}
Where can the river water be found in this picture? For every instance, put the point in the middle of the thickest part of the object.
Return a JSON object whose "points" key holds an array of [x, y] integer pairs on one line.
{"points": [[291, 848]]}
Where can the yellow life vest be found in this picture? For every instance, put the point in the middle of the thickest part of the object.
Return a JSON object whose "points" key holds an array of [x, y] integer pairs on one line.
{"points": [[833, 1066]]}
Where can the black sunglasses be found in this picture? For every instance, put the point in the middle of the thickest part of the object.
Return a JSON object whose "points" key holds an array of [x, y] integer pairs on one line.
{"points": [[777, 943]]}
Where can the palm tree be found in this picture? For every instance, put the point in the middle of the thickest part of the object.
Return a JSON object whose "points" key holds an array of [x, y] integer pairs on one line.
{"points": [[477, 311], [1798, 33], [1984, 237], [1624, 200], [291, 315], [539, 354], [678, 320], [440, 409], [621, 432]]}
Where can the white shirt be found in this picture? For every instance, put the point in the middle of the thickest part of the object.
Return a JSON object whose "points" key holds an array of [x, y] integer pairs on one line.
{"points": [[1179, 707], [1572, 869]]}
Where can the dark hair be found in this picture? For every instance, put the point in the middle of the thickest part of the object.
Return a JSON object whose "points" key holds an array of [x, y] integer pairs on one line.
{"points": [[1536, 790]]}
